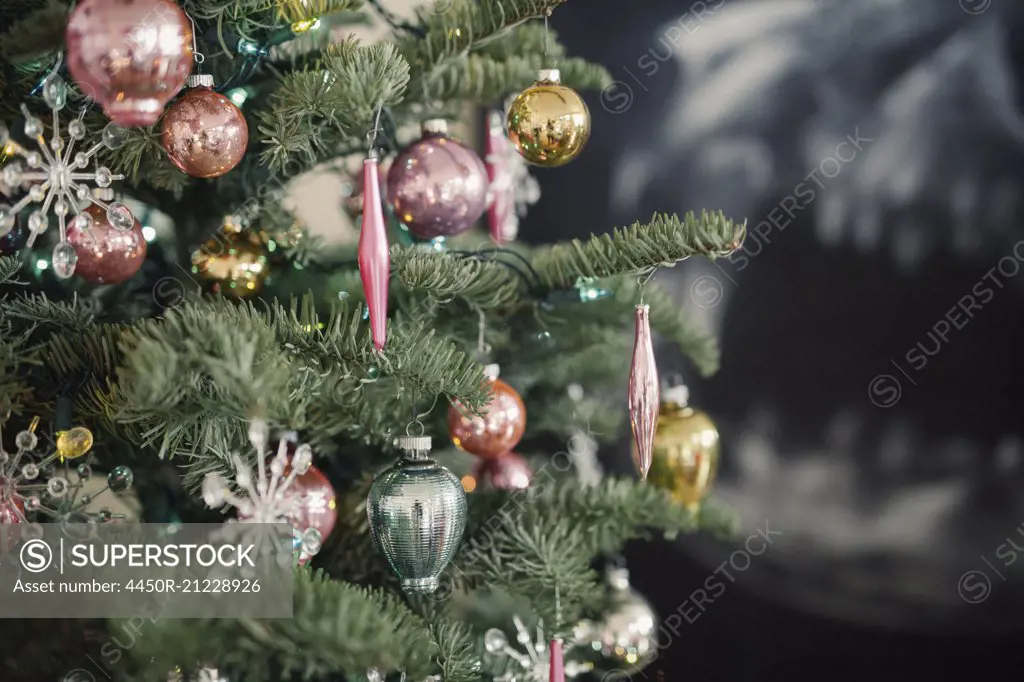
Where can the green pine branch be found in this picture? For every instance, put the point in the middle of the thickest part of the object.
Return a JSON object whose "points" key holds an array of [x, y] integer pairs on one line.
{"points": [[663, 241], [484, 80]]}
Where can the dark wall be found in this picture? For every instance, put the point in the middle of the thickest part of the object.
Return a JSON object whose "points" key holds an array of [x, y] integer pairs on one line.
{"points": [[870, 413]]}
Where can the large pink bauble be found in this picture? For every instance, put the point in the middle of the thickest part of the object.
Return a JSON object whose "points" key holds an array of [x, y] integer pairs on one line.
{"points": [[131, 56], [204, 133], [106, 255], [437, 186], [317, 506], [508, 472]]}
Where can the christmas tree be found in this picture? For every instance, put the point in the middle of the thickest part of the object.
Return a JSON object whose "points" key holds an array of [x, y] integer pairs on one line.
{"points": [[159, 355]]}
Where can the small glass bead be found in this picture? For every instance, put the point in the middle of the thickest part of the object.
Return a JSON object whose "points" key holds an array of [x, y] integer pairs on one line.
{"points": [[312, 541], [84, 471], [278, 465], [57, 486], [495, 641], [259, 433], [37, 222], [120, 479], [37, 193], [82, 221], [32, 503], [7, 218], [81, 160], [302, 459], [76, 129], [64, 260], [104, 177], [12, 174], [83, 193], [33, 127], [34, 159], [55, 92], [57, 143], [119, 217], [26, 440], [60, 207], [114, 136], [30, 471], [213, 490]]}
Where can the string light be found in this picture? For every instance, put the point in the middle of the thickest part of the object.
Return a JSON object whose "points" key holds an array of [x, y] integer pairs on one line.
{"points": [[300, 27]]}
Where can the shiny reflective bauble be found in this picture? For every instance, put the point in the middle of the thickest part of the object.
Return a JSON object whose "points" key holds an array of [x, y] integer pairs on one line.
{"points": [[105, 254], [235, 263], [626, 639], [686, 450], [15, 239], [204, 133], [548, 123], [417, 514], [437, 186], [497, 430], [131, 56], [74, 443], [316, 502], [508, 472]]}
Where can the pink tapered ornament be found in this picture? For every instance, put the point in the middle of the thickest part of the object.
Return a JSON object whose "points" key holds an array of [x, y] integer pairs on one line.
{"points": [[374, 259], [644, 393], [556, 672]]}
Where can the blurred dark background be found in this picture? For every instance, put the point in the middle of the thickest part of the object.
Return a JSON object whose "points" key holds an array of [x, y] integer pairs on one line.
{"points": [[864, 414]]}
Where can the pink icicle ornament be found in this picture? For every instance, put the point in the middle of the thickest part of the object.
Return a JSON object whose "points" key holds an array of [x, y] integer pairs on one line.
{"points": [[374, 259], [644, 393], [501, 211], [556, 672]]}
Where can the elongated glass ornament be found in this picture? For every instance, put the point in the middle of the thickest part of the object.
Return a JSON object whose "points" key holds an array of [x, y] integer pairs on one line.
{"points": [[644, 393], [374, 259]]}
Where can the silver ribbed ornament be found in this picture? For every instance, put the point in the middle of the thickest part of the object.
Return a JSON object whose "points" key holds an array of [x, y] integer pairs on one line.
{"points": [[417, 514]]}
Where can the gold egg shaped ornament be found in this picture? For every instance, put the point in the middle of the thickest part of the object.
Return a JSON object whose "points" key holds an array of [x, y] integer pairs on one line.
{"points": [[686, 453], [549, 123]]}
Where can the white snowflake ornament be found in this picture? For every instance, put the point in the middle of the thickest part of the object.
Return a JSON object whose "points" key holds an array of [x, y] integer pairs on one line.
{"points": [[58, 176], [267, 500]]}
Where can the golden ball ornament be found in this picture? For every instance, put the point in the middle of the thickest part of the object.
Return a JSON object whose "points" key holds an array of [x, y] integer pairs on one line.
{"points": [[235, 263], [686, 450], [549, 123]]}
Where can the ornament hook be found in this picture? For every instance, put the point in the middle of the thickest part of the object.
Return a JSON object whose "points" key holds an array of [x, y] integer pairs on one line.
{"points": [[371, 136], [644, 278], [196, 54], [482, 347]]}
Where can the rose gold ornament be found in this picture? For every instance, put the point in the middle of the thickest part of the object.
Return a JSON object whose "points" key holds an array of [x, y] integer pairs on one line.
{"points": [[315, 503], [643, 393], [106, 255], [204, 133], [131, 56], [497, 430], [508, 472]]}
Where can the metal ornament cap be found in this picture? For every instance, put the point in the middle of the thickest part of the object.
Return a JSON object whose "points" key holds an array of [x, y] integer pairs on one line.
{"points": [[434, 126], [549, 75], [200, 80], [414, 443]]}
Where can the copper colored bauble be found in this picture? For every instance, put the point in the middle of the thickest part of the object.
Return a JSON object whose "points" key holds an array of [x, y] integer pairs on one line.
{"points": [[204, 133], [131, 56], [437, 186], [106, 255], [508, 472], [548, 123], [497, 430], [686, 450], [316, 505], [235, 263]]}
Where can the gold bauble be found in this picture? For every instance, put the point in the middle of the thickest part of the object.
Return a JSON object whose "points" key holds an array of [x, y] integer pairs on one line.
{"points": [[235, 263], [686, 449], [549, 123], [74, 443]]}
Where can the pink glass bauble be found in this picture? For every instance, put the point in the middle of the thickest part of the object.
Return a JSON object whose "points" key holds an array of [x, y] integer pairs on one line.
{"points": [[131, 56], [497, 430], [12, 512], [437, 186], [317, 507], [106, 255], [204, 133], [508, 472]]}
